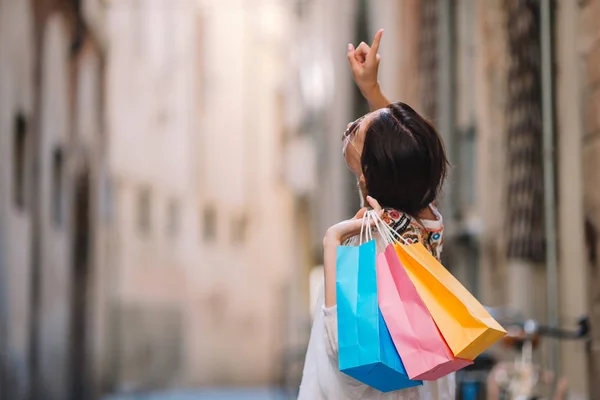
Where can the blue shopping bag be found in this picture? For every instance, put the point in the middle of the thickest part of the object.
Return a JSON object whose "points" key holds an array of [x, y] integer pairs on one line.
{"points": [[366, 350]]}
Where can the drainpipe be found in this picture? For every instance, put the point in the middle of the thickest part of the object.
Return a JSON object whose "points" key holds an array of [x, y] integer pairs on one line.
{"points": [[549, 176], [445, 91], [3, 303]]}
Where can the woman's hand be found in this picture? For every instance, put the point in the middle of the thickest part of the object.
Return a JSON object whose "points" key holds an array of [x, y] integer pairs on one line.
{"points": [[364, 63], [344, 230], [338, 233]]}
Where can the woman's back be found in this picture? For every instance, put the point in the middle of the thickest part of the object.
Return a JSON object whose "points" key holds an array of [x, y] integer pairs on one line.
{"points": [[322, 378]]}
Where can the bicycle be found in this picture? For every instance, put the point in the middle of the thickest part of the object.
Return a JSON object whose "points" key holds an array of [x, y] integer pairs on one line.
{"points": [[471, 381], [523, 379]]}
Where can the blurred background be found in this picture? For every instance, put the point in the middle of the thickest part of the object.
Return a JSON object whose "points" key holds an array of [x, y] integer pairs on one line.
{"points": [[168, 169]]}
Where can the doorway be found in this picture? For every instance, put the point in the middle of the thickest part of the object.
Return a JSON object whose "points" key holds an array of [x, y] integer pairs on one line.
{"points": [[80, 293]]}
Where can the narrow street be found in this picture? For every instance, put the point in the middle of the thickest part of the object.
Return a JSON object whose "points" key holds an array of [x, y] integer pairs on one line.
{"points": [[169, 169], [208, 394]]}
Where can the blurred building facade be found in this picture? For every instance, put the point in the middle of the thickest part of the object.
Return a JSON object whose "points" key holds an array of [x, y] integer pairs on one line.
{"points": [[203, 234], [13, 337], [248, 233], [148, 235], [479, 74], [475, 69], [52, 168], [489, 106], [168, 170], [583, 62], [151, 128]]}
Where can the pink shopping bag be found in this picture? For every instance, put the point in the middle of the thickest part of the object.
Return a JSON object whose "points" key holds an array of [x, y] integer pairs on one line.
{"points": [[423, 350]]}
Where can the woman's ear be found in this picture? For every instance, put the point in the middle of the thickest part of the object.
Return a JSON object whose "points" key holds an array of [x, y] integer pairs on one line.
{"points": [[362, 188]]}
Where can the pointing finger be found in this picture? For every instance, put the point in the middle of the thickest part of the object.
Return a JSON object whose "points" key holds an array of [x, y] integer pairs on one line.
{"points": [[375, 45]]}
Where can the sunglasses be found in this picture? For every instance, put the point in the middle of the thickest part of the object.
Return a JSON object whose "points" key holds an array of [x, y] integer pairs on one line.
{"points": [[352, 127]]}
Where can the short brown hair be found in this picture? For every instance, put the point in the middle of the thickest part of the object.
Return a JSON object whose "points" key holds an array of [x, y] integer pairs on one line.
{"points": [[403, 160]]}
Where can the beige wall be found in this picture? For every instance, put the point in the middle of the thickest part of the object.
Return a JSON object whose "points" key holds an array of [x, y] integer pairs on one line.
{"points": [[56, 130], [16, 96], [240, 305], [490, 78], [90, 158], [55, 237], [219, 302], [589, 73], [151, 132], [573, 274]]}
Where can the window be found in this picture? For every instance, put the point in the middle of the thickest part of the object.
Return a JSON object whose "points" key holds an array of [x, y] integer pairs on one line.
{"points": [[467, 169], [19, 160], [106, 200], [301, 8], [210, 224], [171, 42], [144, 211], [359, 107], [239, 226], [57, 187], [136, 15], [200, 54], [173, 218]]}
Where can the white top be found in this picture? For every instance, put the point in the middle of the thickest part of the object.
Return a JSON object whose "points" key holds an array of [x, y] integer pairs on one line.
{"points": [[322, 379]]}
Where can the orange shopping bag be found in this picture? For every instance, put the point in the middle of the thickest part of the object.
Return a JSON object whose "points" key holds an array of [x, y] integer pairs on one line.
{"points": [[465, 324]]}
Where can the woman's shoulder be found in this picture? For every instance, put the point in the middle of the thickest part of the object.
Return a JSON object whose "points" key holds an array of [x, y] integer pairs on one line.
{"points": [[434, 221], [397, 220], [427, 230], [430, 219]]}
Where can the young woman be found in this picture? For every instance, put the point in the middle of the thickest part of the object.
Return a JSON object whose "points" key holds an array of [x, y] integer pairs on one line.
{"points": [[399, 159]]}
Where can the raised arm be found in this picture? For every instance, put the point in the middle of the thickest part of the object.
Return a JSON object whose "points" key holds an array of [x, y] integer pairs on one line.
{"points": [[364, 63]]}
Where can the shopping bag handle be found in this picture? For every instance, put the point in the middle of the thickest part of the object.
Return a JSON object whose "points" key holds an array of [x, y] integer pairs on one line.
{"points": [[389, 234], [365, 229]]}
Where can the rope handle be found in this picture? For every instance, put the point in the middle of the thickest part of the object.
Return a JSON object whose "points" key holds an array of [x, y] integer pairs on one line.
{"points": [[387, 232], [365, 229]]}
